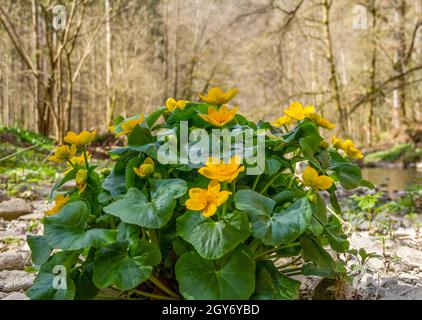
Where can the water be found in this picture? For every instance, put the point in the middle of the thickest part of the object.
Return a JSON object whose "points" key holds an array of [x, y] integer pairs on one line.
{"points": [[392, 179]]}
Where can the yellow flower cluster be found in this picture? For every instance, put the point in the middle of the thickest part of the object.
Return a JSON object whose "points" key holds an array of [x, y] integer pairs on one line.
{"points": [[348, 147], [128, 125], [298, 112], [68, 154], [311, 179], [218, 114], [145, 169], [208, 200], [173, 104]]}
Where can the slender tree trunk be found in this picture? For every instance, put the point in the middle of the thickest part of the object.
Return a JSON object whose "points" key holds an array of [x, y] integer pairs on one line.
{"points": [[399, 94], [334, 81], [108, 35], [372, 86]]}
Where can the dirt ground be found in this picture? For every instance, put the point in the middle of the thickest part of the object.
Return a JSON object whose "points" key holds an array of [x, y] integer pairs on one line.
{"points": [[397, 272]]}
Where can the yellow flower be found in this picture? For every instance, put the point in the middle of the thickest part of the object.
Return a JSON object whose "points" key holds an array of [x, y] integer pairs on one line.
{"points": [[59, 202], [112, 129], [172, 104], [85, 137], [321, 121], [312, 179], [282, 121], [129, 125], [63, 153], [347, 146], [216, 169], [337, 142], [81, 180], [324, 145], [298, 112], [80, 160], [219, 117], [216, 96], [207, 200], [145, 169]]}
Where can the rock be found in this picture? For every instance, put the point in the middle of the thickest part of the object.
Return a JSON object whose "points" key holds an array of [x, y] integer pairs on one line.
{"points": [[16, 296], [11, 261], [15, 280], [389, 282], [14, 208], [3, 295], [410, 255], [3, 197]]}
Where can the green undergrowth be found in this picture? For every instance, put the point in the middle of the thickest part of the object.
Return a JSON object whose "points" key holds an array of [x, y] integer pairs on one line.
{"points": [[406, 153]]}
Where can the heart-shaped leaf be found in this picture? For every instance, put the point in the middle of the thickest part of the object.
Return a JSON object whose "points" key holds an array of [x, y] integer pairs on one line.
{"points": [[124, 265], [53, 281], [134, 207], [277, 228], [68, 230], [231, 277], [213, 239], [40, 250], [274, 285]]}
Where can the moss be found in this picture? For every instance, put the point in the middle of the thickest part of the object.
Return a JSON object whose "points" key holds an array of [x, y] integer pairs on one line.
{"points": [[406, 153]]}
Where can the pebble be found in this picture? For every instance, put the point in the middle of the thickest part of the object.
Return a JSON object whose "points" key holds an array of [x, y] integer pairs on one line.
{"points": [[11, 261], [14, 208], [15, 280], [16, 296]]}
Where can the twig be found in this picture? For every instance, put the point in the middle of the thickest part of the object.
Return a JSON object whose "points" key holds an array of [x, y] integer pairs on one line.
{"points": [[18, 152]]}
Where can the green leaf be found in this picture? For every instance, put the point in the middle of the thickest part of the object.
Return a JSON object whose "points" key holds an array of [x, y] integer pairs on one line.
{"points": [[43, 289], [274, 285], [349, 175], [40, 250], [312, 251], [130, 175], [152, 118], [254, 203], [68, 230], [231, 277], [115, 184], [213, 239], [126, 266], [69, 176], [319, 208], [277, 228], [139, 136], [134, 207]]}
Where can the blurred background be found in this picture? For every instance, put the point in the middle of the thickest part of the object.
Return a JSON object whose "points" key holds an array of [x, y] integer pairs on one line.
{"points": [[76, 64]]}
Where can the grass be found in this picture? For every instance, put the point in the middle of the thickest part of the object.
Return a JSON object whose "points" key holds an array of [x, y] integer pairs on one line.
{"points": [[406, 153], [26, 168]]}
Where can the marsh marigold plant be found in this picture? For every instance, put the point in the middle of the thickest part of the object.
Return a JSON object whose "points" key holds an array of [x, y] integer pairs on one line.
{"points": [[210, 230]]}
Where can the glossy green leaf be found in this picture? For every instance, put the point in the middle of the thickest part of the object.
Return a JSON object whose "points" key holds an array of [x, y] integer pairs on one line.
{"points": [[68, 229], [274, 228], [126, 266], [274, 285], [231, 277], [40, 250], [135, 208], [213, 239], [51, 283]]}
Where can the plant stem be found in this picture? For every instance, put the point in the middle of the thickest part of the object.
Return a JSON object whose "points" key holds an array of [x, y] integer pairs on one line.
{"points": [[294, 244], [291, 269], [271, 181], [85, 158], [295, 273], [233, 187], [255, 183], [289, 263], [152, 295], [224, 209], [163, 287]]}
